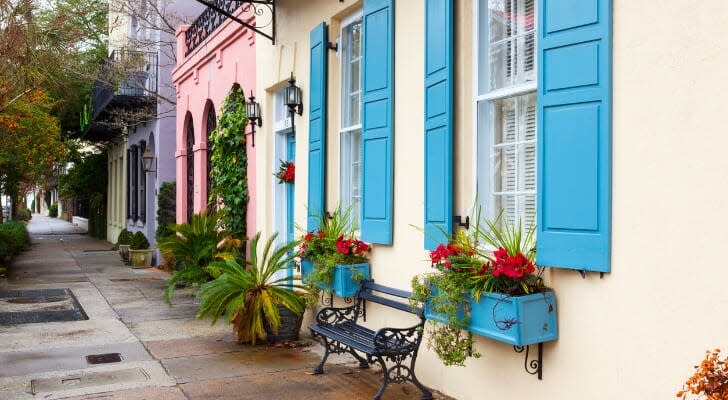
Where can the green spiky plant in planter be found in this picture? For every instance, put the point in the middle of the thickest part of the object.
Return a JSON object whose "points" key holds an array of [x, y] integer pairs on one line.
{"points": [[139, 251], [195, 245], [123, 243], [254, 298]]}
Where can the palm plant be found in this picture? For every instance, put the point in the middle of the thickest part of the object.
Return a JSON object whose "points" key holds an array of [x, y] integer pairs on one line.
{"points": [[194, 245], [249, 298]]}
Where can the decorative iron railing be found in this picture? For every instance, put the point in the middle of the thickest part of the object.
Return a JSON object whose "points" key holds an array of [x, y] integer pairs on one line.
{"points": [[126, 73], [218, 12]]}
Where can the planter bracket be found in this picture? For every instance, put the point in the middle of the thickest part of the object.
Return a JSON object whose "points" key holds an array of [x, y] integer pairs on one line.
{"points": [[535, 366]]}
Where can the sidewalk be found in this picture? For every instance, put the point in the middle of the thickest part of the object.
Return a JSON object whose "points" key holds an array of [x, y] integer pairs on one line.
{"points": [[43, 225], [165, 352]]}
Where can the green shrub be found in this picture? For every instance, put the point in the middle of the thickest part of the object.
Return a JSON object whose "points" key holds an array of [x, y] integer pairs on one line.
{"points": [[23, 214], [124, 238], [139, 241], [53, 211], [14, 238], [166, 204]]}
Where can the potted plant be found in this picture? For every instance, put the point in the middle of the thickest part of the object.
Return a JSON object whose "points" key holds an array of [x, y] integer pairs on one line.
{"points": [[123, 242], [194, 245], [139, 251], [494, 291], [255, 299], [332, 258]]}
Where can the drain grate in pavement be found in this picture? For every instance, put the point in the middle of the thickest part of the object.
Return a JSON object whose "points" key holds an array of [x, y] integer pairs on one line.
{"points": [[103, 358], [36, 306], [90, 379]]}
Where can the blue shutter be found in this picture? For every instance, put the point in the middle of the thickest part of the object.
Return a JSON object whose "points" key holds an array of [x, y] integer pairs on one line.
{"points": [[574, 134], [317, 126], [438, 120], [378, 124]]}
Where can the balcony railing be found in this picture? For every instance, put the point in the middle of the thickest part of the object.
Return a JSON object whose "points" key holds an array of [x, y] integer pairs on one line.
{"points": [[128, 79], [219, 11], [126, 73]]}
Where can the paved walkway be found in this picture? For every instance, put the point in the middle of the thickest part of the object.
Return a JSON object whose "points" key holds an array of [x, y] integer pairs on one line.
{"points": [[42, 225], [166, 353]]}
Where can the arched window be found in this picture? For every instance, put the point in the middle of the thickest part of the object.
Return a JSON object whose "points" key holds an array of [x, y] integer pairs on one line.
{"points": [[210, 126], [190, 167]]}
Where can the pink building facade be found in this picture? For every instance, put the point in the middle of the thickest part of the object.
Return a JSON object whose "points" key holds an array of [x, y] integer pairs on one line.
{"points": [[207, 68]]}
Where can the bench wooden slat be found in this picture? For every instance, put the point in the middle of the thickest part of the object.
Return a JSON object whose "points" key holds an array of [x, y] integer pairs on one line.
{"points": [[386, 302], [369, 285]]}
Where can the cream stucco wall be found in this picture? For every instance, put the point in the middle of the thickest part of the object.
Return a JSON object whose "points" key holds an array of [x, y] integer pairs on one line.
{"points": [[636, 332]]}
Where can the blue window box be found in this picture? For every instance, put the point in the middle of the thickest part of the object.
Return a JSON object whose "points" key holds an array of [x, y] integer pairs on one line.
{"points": [[343, 283], [516, 320]]}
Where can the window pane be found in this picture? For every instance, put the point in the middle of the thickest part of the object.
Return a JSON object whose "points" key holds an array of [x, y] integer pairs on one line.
{"points": [[511, 41], [351, 75]]}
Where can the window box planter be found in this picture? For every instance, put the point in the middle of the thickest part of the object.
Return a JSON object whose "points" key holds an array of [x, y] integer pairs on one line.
{"points": [[345, 281], [516, 320]]}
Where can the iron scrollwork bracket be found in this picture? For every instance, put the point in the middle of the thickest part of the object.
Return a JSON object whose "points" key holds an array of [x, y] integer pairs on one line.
{"points": [[534, 366]]}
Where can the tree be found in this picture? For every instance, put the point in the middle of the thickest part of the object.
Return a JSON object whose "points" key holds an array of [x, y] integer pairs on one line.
{"points": [[30, 144]]}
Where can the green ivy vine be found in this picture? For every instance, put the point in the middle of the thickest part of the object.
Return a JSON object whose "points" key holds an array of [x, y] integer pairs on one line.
{"points": [[229, 162]]}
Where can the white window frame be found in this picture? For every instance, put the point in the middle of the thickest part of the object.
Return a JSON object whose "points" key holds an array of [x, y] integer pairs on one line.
{"points": [[281, 129], [484, 138], [345, 132]]}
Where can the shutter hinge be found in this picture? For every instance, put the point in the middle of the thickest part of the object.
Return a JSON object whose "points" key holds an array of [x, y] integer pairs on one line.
{"points": [[458, 221]]}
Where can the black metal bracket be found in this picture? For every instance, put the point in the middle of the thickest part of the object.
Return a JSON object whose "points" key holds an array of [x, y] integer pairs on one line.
{"points": [[535, 366], [458, 221], [207, 23], [582, 272], [333, 46]]}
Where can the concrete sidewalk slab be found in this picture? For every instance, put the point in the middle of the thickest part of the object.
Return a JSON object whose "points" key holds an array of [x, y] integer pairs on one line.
{"points": [[184, 358], [66, 358]]}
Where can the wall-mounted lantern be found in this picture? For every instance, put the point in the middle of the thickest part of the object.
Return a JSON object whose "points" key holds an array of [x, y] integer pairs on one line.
{"points": [[294, 100], [148, 160], [254, 117]]}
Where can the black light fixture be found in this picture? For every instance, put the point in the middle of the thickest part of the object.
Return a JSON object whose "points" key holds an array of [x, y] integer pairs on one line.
{"points": [[294, 100], [253, 110], [148, 160]]}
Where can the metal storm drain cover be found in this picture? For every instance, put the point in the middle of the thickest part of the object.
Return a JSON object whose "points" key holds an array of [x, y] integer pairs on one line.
{"points": [[90, 379], [34, 306], [103, 358]]}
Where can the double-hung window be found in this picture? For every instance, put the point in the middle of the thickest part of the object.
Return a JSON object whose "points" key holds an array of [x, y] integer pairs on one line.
{"points": [[350, 133], [506, 109]]}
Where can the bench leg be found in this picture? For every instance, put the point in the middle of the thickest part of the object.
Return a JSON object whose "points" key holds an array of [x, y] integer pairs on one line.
{"points": [[320, 367], [385, 375], [363, 363]]}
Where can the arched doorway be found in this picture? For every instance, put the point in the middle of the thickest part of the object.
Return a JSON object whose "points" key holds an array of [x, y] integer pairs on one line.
{"points": [[190, 139]]}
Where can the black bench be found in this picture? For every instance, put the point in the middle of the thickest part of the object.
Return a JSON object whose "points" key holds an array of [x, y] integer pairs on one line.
{"points": [[338, 331]]}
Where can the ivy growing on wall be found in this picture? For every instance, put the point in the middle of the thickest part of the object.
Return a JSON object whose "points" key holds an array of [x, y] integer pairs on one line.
{"points": [[229, 162]]}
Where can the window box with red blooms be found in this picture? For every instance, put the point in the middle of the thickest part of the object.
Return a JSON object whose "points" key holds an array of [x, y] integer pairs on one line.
{"points": [[496, 294], [286, 173], [332, 259]]}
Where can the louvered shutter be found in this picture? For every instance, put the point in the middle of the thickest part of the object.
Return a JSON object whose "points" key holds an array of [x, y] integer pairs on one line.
{"points": [[378, 122], [438, 121], [317, 126], [574, 128]]}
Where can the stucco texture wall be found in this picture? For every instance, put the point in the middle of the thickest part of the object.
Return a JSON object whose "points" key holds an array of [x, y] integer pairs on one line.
{"points": [[203, 79], [636, 332]]}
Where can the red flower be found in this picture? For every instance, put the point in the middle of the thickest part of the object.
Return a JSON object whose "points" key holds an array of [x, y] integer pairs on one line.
{"points": [[321, 234], [308, 237]]}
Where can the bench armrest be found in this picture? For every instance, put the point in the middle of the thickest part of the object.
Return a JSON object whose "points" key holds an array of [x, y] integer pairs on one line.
{"points": [[399, 340], [337, 315]]}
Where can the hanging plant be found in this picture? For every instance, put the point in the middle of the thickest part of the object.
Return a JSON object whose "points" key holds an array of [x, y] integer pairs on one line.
{"points": [[286, 173], [229, 162]]}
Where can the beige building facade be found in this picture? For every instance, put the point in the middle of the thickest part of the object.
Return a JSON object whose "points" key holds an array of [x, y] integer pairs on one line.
{"points": [[633, 332]]}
